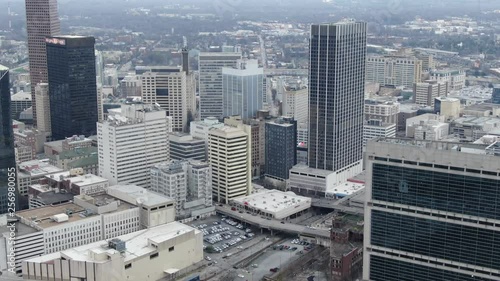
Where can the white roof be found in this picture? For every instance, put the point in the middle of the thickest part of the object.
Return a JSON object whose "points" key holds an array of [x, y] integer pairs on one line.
{"points": [[346, 188], [21, 96], [136, 243], [273, 200], [136, 195]]}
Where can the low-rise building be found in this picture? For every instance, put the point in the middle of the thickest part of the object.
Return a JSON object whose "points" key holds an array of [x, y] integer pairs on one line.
{"points": [[88, 219], [19, 102], [188, 182], [147, 255], [455, 78], [376, 128], [273, 204], [381, 109], [85, 158], [473, 128], [346, 247], [447, 107], [482, 110], [31, 171], [426, 92]]}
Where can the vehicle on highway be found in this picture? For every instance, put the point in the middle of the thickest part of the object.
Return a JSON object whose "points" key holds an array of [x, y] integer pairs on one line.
{"points": [[282, 222], [274, 269], [241, 275]]}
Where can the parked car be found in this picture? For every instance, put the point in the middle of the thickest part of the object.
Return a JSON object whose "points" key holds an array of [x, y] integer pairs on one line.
{"points": [[274, 269]]}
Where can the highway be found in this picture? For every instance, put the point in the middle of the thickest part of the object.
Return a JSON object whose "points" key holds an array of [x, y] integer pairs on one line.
{"points": [[273, 224]]}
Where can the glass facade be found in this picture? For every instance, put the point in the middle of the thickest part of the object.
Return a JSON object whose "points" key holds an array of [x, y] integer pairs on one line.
{"points": [[242, 92], [384, 269], [72, 86], [336, 94], [458, 193], [460, 243], [7, 154], [425, 235]]}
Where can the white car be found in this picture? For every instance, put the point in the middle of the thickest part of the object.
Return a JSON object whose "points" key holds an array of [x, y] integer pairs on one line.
{"points": [[241, 275]]}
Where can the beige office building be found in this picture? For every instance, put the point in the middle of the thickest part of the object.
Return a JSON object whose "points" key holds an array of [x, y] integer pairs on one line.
{"points": [[229, 154]]}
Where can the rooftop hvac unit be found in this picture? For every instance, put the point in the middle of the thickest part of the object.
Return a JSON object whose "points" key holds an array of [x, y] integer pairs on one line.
{"points": [[117, 244]]}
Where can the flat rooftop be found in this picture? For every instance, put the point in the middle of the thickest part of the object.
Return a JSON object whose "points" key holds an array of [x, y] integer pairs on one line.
{"points": [[304, 169], [137, 244], [36, 168], [136, 194], [41, 217], [437, 145], [273, 200], [346, 188]]}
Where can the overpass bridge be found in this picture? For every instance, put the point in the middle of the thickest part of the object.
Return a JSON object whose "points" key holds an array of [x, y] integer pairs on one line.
{"points": [[275, 225]]}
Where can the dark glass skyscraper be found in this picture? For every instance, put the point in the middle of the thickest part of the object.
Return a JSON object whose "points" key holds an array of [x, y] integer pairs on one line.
{"points": [[336, 95], [281, 147], [432, 211], [7, 153], [72, 85]]}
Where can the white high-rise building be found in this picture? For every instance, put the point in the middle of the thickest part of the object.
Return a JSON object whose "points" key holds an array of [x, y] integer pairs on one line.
{"points": [[43, 104], [243, 89], [210, 81], [167, 87], [185, 181], [132, 140], [229, 154]]}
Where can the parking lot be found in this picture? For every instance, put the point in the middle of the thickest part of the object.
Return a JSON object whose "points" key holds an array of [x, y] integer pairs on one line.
{"points": [[222, 234], [274, 259]]}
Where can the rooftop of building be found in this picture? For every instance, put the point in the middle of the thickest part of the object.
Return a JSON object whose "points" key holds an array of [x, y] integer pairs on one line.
{"points": [[282, 121], [84, 162], [51, 196], [488, 139], [77, 139], [103, 199], [138, 195], [219, 54], [184, 138], [42, 217], [448, 99], [273, 200], [304, 169], [3, 68], [470, 148], [78, 152], [21, 96], [482, 106], [130, 114], [473, 120], [87, 179], [36, 168], [137, 244], [21, 228], [228, 132], [346, 188], [208, 122]]}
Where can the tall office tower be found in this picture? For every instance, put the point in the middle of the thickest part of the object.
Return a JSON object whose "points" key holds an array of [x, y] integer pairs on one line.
{"points": [[167, 87], [336, 96], [495, 96], [43, 105], [243, 89], [432, 211], [281, 148], [425, 93], [131, 141], [394, 70], [210, 81], [7, 153], [229, 154], [42, 20], [184, 181], [72, 86]]}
